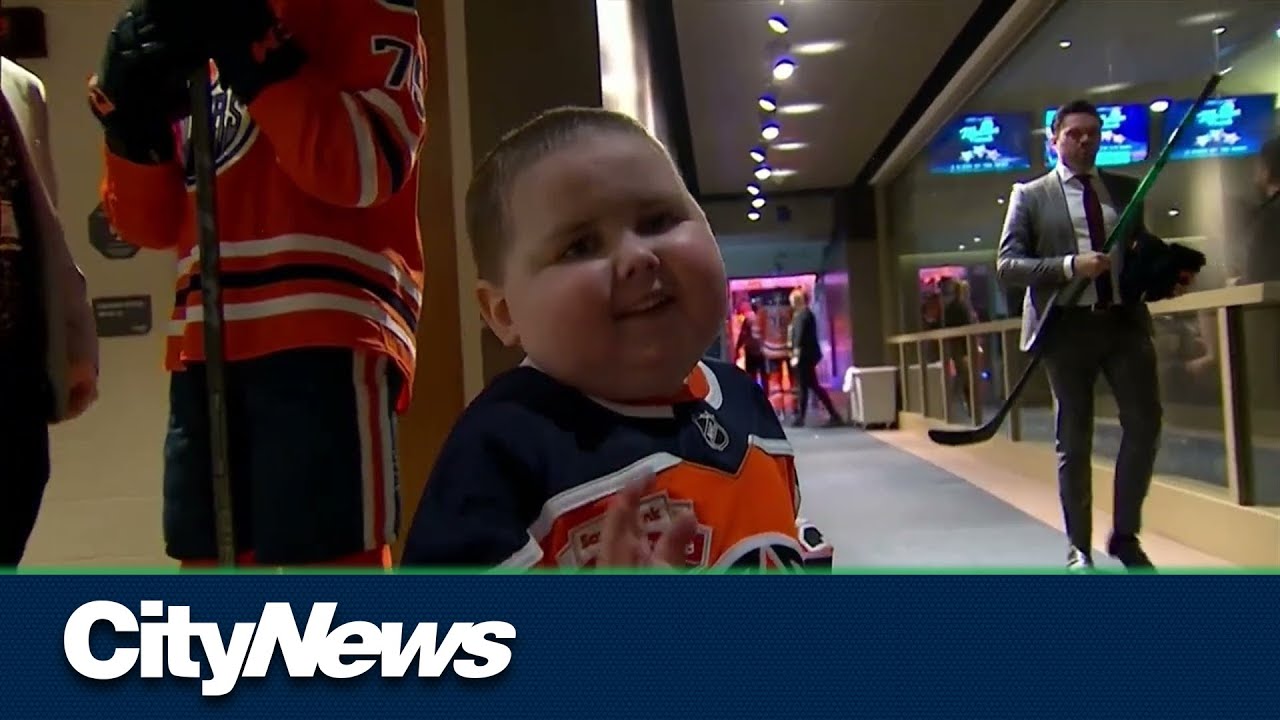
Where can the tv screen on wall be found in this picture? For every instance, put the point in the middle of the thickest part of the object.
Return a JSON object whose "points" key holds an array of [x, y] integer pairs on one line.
{"points": [[982, 143], [1224, 127], [1126, 135]]}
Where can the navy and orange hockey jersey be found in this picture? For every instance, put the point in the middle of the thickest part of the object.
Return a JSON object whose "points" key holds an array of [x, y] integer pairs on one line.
{"points": [[528, 471], [317, 195]]}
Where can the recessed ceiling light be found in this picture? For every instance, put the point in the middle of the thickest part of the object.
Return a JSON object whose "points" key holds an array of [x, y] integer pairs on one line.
{"points": [[785, 146], [757, 203], [757, 155], [1208, 18], [1108, 88], [1064, 44], [1159, 106], [784, 69], [778, 24], [977, 239], [1174, 212], [1000, 201], [783, 172], [753, 216], [764, 172], [817, 48], [767, 103], [961, 246], [770, 131], [800, 108], [1219, 30], [753, 189]]}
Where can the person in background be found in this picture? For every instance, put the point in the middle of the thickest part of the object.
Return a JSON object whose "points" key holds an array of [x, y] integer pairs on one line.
{"points": [[48, 347], [806, 353], [751, 348], [959, 312], [1260, 225]]}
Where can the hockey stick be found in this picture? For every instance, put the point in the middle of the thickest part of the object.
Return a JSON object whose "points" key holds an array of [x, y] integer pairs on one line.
{"points": [[986, 431], [211, 297]]}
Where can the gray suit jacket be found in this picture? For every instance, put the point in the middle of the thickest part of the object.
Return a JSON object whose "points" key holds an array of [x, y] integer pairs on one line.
{"points": [[1038, 236], [71, 333]]}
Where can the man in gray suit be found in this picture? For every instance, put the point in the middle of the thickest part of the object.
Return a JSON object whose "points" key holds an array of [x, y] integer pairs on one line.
{"points": [[1053, 231]]}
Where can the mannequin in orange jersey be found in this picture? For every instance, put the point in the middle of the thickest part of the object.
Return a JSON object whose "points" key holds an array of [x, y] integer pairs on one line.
{"points": [[318, 112]]}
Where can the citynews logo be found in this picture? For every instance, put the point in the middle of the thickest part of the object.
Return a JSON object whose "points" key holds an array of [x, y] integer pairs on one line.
{"points": [[164, 645]]}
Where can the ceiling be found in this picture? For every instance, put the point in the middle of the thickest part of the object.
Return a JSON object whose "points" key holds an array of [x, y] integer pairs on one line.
{"points": [[884, 51], [1135, 43]]}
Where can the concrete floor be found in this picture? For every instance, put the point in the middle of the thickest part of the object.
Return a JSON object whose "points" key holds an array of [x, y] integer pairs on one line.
{"points": [[882, 507]]}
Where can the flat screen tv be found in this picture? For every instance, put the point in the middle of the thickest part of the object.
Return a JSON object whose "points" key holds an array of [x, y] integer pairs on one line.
{"points": [[982, 143], [1224, 127], [1126, 135]]}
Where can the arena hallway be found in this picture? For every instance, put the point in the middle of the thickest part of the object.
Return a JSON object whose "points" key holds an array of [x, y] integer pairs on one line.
{"points": [[885, 501]]}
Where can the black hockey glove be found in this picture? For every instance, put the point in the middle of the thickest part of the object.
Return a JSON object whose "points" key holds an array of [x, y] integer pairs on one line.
{"points": [[252, 49], [140, 90]]}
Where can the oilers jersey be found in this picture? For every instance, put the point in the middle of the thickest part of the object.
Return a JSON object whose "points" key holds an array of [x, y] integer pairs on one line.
{"points": [[527, 473], [317, 189]]}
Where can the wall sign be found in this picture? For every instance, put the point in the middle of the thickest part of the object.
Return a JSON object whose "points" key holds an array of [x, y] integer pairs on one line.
{"points": [[104, 239], [122, 316]]}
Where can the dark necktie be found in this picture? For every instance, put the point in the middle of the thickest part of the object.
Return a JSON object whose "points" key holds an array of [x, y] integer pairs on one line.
{"points": [[1097, 235]]}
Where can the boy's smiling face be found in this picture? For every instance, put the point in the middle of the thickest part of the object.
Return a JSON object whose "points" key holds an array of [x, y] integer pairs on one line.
{"points": [[613, 282]]}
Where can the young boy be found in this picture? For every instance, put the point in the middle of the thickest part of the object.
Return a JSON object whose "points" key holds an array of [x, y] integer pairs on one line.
{"points": [[612, 444]]}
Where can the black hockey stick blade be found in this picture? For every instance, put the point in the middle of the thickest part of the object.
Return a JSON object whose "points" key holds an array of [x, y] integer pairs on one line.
{"points": [[211, 296], [988, 430]]}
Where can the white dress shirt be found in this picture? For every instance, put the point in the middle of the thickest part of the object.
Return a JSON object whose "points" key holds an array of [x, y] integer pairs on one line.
{"points": [[1073, 190]]}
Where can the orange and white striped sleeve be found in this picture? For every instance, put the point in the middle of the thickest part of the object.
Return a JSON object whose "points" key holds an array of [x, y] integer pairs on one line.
{"points": [[352, 139]]}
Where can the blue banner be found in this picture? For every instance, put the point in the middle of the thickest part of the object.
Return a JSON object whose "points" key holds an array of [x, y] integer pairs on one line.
{"points": [[615, 646]]}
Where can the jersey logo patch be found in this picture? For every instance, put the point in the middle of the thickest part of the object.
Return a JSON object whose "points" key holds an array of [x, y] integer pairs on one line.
{"points": [[712, 431], [234, 132], [582, 548]]}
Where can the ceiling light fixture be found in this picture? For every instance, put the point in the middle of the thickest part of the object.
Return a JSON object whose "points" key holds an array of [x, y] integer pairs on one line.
{"points": [[757, 203], [753, 189], [767, 103], [770, 131], [1159, 106], [818, 48], [1064, 44], [782, 172], [764, 172], [1220, 29], [800, 108], [778, 24], [1174, 212], [786, 146], [961, 246], [784, 69], [977, 239], [753, 216], [757, 155]]}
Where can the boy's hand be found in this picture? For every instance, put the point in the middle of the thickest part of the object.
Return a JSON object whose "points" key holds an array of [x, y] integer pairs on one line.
{"points": [[623, 542]]}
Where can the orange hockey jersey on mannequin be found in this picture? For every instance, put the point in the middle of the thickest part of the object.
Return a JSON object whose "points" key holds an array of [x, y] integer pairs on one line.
{"points": [[317, 195]]}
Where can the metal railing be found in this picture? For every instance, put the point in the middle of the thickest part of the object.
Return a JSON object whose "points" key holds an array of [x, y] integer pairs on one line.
{"points": [[1227, 305]]}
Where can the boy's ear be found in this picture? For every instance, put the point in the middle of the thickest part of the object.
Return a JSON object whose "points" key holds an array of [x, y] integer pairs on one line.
{"points": [[496, 313]]}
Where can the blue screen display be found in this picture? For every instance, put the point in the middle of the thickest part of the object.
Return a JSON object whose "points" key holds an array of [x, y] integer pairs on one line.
{"points": [[1125, 135], [1224, 127], [981, 144]]}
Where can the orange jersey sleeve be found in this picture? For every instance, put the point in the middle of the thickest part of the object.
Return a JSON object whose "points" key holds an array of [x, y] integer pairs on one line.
{"points": [[348, 127], [146, 204]]}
